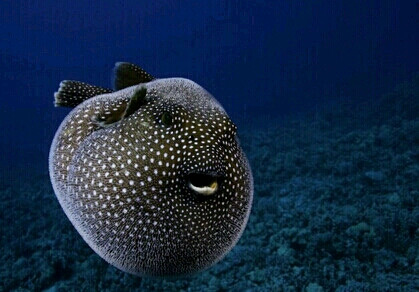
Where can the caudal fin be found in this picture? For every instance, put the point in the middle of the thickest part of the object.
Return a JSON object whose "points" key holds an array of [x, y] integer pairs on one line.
{"points": [[72, 93]]}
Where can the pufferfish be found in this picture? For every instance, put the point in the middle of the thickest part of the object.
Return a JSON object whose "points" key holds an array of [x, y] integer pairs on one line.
{"points": [[152, 174]]}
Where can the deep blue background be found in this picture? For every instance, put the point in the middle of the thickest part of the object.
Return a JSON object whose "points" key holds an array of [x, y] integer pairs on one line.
{"points": [[259, 58]]}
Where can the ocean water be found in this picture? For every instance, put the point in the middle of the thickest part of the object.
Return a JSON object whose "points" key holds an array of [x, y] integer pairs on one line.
{"points": [[325, 95]]}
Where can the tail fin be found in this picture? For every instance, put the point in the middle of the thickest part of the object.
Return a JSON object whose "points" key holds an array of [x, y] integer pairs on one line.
{"points": [[72, 93]]}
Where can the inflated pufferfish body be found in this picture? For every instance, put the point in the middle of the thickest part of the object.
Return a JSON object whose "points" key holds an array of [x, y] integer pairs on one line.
{"points": [[151, 175]]}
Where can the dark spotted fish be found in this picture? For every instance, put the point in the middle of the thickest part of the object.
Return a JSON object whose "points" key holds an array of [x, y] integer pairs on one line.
{"points": [[151, 175]]}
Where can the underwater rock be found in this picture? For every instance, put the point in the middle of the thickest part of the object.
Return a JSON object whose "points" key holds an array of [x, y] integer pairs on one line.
{"points": [[314, 287], [375, 176]]}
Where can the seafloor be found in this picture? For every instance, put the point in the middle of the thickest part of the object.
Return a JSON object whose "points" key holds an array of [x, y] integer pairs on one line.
{"points": [[336, 208]]}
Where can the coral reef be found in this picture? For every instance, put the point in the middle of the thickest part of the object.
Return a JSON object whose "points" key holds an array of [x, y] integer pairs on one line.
{"points": [[336, 208]]}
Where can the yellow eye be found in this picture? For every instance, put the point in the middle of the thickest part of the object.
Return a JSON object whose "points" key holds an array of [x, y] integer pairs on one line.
{"points": [[166, 119]]}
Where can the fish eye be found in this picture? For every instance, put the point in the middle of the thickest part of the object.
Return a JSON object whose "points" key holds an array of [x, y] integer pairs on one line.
{"points": [[166, 119]]}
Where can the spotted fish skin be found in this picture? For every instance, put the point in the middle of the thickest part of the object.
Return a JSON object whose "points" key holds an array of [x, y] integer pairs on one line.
{"points": [[140, 190]]}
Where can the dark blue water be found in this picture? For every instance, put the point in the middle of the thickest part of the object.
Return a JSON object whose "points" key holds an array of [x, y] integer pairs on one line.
{"points": [[325, 94]]}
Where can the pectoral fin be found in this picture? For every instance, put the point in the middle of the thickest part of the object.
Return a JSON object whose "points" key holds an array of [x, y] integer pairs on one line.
{"points": [[110, 115], [136, 101], [121, 110]]}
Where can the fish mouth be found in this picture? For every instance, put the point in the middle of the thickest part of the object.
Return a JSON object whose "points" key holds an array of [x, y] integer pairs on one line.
{"points": [[204, 184]]}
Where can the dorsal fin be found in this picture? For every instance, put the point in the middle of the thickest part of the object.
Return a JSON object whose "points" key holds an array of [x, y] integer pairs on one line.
{"points": [[127, 74], [72, 93]]}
